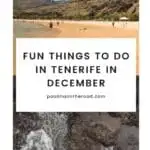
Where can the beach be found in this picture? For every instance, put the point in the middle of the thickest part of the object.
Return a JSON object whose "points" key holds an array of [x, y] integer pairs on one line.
{"points": [[71, 29]]}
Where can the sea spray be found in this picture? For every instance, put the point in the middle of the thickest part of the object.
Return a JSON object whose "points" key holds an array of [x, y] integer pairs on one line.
{"points": [[38, 140], [51, 135]]}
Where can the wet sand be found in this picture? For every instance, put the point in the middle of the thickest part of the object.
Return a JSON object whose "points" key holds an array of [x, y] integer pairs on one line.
{"points": [[28, 29]]}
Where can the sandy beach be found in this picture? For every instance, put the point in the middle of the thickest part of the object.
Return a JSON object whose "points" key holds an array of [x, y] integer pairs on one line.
{"points": [[73, 29]]}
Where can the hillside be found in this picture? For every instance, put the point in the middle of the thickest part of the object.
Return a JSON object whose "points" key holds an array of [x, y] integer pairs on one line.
{"points": [[24, 4], [79, 9]]}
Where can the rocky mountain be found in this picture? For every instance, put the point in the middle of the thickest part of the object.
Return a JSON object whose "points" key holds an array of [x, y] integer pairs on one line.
{"points": [[77, 9]]}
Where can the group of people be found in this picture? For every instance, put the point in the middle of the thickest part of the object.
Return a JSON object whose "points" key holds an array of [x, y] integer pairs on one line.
{"points": [[51, 24]]}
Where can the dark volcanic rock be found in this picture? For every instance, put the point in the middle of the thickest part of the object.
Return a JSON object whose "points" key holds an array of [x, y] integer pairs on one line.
{"points": [[23, 124], [98, 131], [92, 131], [131, 119], [128, 138], [82, 131]]}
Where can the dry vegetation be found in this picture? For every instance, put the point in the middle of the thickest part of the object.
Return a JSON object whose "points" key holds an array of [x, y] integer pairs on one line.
{"points": [[80, 9]]}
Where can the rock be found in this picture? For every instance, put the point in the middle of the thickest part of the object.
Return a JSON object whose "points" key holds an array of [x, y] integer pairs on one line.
{"points": [[93, 131], [128, 138], [38, 140], [76, 131], [131, 119], [55, 125], [24, 123]]}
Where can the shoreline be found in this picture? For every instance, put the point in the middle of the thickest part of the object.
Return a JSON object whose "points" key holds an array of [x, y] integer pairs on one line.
{"points": [[30, 29], [118, 24]]}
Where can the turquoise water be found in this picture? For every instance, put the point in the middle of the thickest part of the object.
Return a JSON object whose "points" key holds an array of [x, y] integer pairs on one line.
{"points": [[24, 29]]}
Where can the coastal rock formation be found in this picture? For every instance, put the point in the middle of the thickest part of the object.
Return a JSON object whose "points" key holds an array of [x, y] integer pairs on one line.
{"points": [[76, 131], [100, 131], [128, 138]]}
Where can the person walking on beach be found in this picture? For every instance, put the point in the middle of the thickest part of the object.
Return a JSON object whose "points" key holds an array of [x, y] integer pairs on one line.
{"points": [[57, 23], [51, 25], [113, 24]]}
